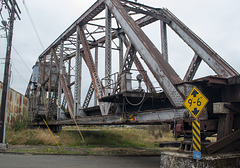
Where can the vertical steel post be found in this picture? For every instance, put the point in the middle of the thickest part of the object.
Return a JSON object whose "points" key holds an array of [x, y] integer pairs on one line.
{"points": [[43, 94], [6, 76], [164, 40], [108, 51], [40, 79], [120, 53], [44, 68], [76, 87], [96, 64], [59, 82], [50, 88], [69, 72], [78, 79], [66, 90]]}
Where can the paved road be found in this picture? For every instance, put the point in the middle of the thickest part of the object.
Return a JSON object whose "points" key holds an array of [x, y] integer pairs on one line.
{"points": [[62, 161]]}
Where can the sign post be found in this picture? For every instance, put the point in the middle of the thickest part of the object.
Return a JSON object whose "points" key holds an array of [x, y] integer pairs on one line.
{"points": [[196, 138], [195, 102]]}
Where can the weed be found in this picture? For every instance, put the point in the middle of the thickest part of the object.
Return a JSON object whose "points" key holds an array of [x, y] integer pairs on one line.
{"points": [[97, 137], [20, 125]]}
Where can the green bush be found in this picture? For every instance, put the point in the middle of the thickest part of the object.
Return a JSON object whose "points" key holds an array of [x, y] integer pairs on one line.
{"points": [[20, 125]]}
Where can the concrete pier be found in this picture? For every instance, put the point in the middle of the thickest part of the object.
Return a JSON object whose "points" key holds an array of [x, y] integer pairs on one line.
{"points": [[185, 160]]}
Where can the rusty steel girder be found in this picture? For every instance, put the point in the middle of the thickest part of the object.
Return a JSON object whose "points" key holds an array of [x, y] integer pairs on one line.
{"points": [[117, 99], [163, 72], [157, 64], [66, 90]]}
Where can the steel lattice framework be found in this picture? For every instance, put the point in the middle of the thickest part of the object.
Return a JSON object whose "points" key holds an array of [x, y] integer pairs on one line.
{"points": [[116, 26]]}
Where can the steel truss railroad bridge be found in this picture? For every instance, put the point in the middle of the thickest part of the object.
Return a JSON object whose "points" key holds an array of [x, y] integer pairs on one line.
{"points": [[113, 27]]}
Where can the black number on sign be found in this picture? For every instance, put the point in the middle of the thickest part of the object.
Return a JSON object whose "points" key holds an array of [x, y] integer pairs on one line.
{"points": [[199, 102], [190, 102]]}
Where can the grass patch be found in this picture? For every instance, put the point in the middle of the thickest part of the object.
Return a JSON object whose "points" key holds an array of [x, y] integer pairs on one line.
{"points": [[99, 140], [29, 137], [146, 137], [116, 137]]}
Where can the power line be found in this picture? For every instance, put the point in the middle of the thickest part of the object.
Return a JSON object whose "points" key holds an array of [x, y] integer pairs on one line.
{"points": [[34, 27], [19, 74], [21, 58]]}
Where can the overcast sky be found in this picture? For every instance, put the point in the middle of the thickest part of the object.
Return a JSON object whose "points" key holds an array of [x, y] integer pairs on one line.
{"points": [[216, 22]]}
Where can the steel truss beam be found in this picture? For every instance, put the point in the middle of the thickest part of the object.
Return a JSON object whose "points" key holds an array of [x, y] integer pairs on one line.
{"points": [[151, 117], [88, 96], [78, 78], [139, 66], [192, 69], [162, 71], [215, 62], [66, 90], [128, 59], [59, 82], [108, 52], [88, 32], [98, 87], [156, 62], [94, 10]]}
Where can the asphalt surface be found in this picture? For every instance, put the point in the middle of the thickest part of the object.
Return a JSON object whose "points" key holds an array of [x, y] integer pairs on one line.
{"points": [[65, 161]]}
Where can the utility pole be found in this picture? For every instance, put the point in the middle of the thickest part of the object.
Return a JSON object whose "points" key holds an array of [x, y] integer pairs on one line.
{"points": [[5, 89]]}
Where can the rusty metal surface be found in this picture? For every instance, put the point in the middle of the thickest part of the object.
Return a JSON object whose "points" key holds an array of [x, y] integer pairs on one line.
{"points": [[94, 29], [163, 72], [225, 144], [98, 86], [192, 68], [66, 90], [17, 107], [95, 9], [219, 65], [150, 117]]}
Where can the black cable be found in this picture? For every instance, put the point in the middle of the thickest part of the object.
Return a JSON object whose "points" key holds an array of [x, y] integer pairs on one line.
{"points": [[19, 74], [33, 25], [21, 58]]}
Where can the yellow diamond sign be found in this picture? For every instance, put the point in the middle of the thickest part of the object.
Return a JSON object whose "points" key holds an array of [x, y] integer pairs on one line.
{"points": [[195, 102]]}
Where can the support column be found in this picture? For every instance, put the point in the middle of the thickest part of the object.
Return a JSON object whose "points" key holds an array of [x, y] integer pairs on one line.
{"points": [[43, 71], [59, 82], [69, 72], [98, 86], [96, 64], [108, 51], [78, 80], [38, 99], [66, 90], [120, 53], [164, 40], [225, 121], [49, 115]]}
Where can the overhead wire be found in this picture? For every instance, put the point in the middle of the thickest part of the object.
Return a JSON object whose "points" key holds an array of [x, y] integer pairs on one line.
{"points": [[16, 53], [21, 59], [19, 74], [33, 25]]}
